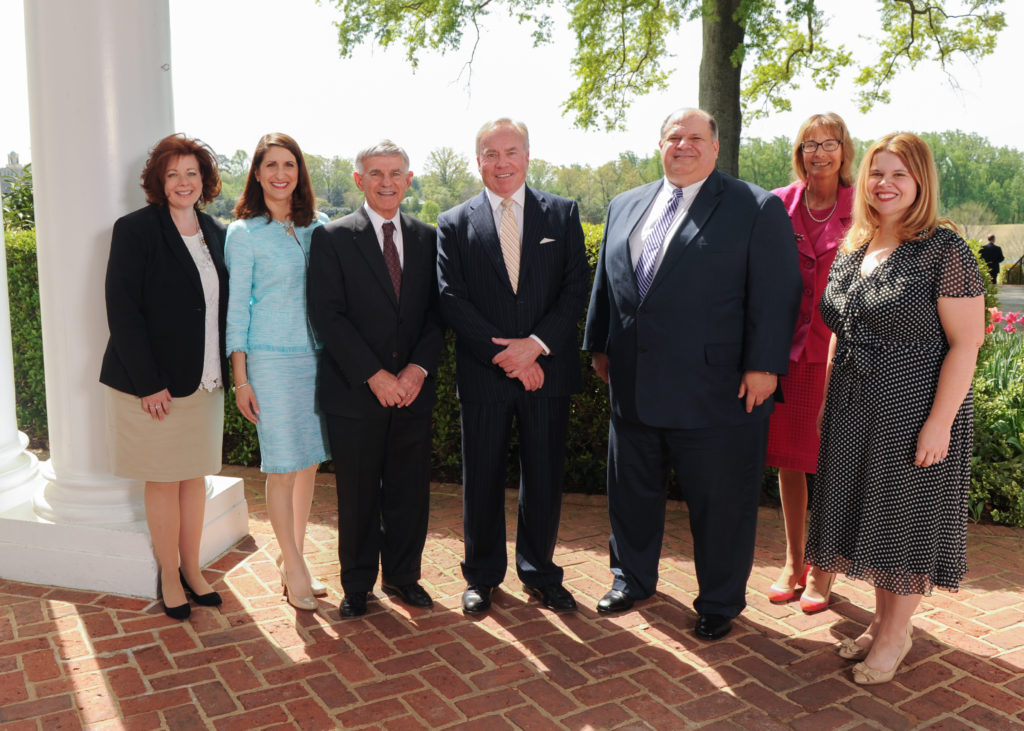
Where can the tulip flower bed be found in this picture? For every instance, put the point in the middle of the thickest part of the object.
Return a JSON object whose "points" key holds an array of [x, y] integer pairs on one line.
{"points": [[997, 469]]}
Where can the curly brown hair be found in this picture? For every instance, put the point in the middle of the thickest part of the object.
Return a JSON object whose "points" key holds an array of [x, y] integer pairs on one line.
{"points": [[251, 204], [167, 149]]}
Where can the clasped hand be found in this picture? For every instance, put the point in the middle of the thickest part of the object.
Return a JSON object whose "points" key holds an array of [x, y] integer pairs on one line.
{"points": [[157, 405], [756, 387], [519, 360], [400, 390]]}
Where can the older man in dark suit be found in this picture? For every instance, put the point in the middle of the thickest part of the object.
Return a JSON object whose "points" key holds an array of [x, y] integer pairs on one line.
{"points": [[691, 315], [512, 273], [372, 299]]}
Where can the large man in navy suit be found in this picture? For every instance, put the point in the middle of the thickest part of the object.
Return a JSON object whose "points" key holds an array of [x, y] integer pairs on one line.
{"points": [[373, 302], [512, 272], [690, 319]]}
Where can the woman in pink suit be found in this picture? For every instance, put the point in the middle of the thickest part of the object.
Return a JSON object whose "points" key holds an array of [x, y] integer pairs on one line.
{"points": [[819, 205]]}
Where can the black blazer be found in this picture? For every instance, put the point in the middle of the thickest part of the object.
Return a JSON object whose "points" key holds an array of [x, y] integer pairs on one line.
{"points": [[156, 310], [363, 327], [723, 301], [478, 303]]}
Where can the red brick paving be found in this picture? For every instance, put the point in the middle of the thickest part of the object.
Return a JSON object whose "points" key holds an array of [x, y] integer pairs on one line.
{"points": [[73, 659]]}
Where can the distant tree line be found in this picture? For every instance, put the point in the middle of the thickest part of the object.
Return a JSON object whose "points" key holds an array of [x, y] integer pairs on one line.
{"points": [[981, 184]]}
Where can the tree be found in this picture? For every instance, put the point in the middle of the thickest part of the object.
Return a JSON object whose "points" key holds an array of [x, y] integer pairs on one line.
{"points": [[973, 218], [622, 46], [19, 211], [447, 180]]}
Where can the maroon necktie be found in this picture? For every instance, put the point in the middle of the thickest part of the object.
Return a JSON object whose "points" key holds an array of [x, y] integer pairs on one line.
{"points": [[391, 258]]}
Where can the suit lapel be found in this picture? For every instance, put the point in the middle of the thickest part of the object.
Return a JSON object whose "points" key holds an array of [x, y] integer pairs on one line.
{"points": [[697, 215], [414, 252], [365, 239], [621, 260], [177, 246], [535, 211], [481, 218]]}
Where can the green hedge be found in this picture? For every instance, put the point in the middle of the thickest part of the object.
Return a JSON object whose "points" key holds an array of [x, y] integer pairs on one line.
{"points": [[997, 485]]}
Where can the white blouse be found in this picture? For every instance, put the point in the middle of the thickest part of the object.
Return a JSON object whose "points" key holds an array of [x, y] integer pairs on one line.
{"points": [[212, 377]]}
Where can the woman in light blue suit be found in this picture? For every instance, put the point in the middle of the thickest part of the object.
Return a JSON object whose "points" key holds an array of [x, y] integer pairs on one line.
{"points": [[274, 351]]}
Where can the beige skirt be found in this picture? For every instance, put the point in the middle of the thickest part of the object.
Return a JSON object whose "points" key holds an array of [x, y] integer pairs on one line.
{"points": [[187, 443]]}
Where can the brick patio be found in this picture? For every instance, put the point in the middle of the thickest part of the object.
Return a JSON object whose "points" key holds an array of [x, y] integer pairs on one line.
{"points": [[74, 659]]}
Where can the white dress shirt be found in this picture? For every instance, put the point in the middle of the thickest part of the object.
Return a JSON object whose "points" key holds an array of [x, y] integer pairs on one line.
{"points": [[636, 239], [378, 222]]}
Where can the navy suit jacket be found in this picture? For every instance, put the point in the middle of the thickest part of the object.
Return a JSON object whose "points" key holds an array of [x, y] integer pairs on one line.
{"points": [[362, 325], [156, 309], [723, 301], [478, 302]]}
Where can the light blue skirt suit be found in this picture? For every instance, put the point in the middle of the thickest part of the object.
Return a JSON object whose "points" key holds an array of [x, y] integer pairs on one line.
{"points": [[267, 321]]}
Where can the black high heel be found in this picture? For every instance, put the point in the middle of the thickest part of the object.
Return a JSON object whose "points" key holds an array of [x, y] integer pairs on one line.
{"points": [[181, 612], [206, 600]]}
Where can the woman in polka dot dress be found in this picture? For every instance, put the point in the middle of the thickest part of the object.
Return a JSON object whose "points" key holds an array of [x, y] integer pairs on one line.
{"points": [[905, 303]]}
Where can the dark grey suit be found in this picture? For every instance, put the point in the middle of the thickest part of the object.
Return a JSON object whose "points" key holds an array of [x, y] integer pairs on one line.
{"points": [[724, 301], [478, 303], [381, 454]]}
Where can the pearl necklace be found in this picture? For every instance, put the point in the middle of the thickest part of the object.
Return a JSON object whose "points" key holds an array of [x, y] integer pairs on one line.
{"points": [[811, 215]]}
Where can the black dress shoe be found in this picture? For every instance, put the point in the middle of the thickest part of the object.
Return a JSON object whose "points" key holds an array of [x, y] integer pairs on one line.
{"points": [[553, 596], [412, 594], [476, 598], [206, 600], [354, 604], [713, 626], [615, 601], [182, 611]]}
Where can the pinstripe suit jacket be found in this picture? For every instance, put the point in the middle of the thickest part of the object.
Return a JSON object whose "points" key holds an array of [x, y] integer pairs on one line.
{"points": [[478, 302]]}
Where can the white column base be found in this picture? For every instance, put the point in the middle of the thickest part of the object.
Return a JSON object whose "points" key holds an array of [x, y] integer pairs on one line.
{"points": [[112, 559], [19, 474]]}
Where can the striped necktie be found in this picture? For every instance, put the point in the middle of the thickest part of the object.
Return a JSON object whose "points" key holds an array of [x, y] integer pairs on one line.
{"points": [[654, 241]]}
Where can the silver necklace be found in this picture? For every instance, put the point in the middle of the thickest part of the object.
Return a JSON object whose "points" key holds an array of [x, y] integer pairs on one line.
{"points": [[811, 215]]}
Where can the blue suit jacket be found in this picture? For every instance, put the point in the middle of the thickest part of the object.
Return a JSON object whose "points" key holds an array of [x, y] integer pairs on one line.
{"points": [[723, 301], [478, 303]]}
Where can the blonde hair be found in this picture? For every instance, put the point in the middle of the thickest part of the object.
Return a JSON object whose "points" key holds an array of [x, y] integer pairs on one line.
{"points": [[833, 124], [500, 122], [922, 216]]}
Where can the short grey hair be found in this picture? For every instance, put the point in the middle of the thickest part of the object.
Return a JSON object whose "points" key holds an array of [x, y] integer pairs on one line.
{"points": [[503, 122], [682, 112], [384, 148]]}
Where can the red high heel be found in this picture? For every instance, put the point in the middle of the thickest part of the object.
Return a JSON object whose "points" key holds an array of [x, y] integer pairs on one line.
{"points": [[780, 595], [810, 606]]}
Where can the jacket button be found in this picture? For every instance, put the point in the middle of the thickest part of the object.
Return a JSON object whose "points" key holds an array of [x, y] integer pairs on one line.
{"points": [[394, 355]]}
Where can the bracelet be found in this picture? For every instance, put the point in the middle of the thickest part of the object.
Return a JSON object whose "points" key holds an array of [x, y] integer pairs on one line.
{"points": [[240, 385]]}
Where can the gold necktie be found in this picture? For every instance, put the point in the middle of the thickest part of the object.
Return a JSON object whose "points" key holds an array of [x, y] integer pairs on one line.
{"points": [[508, 234]]}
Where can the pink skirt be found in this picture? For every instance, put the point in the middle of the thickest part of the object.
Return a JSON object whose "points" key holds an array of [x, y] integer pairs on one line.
{"points": [[792, 437]]}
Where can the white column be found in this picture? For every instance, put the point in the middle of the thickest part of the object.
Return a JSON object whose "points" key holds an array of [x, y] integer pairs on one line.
{"points": [[99, 98], [19, 470]]}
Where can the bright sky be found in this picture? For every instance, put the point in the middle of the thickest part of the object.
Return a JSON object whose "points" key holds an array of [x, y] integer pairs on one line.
{"points": [[242, 68]]}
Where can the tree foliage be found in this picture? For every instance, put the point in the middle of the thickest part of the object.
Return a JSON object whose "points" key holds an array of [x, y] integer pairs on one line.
{"points": [[19, 210], [623, 46]]}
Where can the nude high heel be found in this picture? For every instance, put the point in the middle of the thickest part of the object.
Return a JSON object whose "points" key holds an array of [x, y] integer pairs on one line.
{"points": [[308, 603], [318, 587], [864, 674]]}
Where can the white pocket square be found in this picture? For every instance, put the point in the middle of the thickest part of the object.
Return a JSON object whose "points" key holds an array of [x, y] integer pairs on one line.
{"points": [[546, 241]]}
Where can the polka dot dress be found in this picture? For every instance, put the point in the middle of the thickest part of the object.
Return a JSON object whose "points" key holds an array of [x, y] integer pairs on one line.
{"points": [[875, 515]]}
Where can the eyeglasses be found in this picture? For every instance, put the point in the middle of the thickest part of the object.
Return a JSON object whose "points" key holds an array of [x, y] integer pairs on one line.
{"points": [[829, 145]]}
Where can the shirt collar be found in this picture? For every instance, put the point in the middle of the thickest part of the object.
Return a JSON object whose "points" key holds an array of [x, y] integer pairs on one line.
{"points": [[689, 191], [378, 220], [495, 200]]}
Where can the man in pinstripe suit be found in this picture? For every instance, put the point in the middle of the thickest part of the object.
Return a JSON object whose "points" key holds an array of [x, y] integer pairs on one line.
{"points": [[512, 273]]}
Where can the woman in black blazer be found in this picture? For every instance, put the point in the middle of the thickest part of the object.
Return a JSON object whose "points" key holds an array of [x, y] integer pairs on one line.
{"points": [[166, 292]]}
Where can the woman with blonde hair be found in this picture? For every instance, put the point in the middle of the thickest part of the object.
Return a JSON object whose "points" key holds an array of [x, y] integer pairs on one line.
{"points": [[905, 302], [274, 351], [819, 203]]}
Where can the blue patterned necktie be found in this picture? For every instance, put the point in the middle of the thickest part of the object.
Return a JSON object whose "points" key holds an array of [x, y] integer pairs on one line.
{"points": [[653, 243]]}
